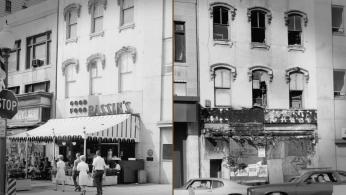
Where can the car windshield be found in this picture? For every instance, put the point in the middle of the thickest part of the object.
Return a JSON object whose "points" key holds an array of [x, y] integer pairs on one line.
{"points": [[187, 184]]}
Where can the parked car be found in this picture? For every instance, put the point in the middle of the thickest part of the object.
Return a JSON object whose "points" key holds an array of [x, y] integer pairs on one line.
{"points": [[211, 186], [310, 183]]}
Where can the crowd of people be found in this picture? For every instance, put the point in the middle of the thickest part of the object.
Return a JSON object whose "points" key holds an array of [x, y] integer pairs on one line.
{"points": [[38, 168]]}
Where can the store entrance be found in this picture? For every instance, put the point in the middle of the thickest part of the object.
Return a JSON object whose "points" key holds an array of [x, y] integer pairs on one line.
{"points": [[215, 168]]}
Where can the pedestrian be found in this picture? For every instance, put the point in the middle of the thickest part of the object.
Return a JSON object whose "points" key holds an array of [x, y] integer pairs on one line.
{"points": [[75, 172], [99, 166], [83, 169], [60, 173], [117, 168]]}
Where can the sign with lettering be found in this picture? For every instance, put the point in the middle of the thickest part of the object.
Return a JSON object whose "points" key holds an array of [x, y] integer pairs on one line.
{"points": [[27, 114], [8, 104], [285, 116], [110, 109]]}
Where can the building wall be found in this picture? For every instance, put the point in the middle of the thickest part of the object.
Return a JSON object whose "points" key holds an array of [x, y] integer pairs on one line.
{"points": [[17, 5], [151, 69], [25, 23]]}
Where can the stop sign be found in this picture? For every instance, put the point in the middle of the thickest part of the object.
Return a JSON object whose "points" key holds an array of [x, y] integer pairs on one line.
{"points": [[8, 104]]}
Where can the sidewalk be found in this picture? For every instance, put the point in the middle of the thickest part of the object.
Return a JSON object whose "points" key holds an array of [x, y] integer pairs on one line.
{"points": [[44, 188]]}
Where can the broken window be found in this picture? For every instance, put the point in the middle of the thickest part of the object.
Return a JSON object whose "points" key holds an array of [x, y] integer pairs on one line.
{"points": [[339, 83], [296, 90], [294, 29], [222, 87], [220, 21], [258, 26], [260, 79]]}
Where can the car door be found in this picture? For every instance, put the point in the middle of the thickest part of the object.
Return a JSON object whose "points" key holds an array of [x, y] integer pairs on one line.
{"points": [[311, 185]]}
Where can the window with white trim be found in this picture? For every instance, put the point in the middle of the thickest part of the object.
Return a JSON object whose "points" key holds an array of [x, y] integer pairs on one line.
{"points": [[71, 24], [97, 18], [96, 84], [296, 88], [126, 67], [258, 26], [339, 83], [337, 19], [260, 80], [220, 23], [222, 87], [294, 29], [127, 12], [70, 79]]}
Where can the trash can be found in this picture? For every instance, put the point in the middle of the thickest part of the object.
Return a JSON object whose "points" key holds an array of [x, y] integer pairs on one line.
{"points": [[142, 176]]}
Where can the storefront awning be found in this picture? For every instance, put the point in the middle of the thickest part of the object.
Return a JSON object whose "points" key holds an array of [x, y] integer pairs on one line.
{"points": [[120, 127]]}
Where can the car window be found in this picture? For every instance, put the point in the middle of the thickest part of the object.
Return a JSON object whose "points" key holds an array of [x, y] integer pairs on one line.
{"points": [[342, 176], [201, 185], [321, 178], [217, 184]]}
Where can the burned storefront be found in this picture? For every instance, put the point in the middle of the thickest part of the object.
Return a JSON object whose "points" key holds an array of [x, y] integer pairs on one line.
{"points": [[257, 145]]}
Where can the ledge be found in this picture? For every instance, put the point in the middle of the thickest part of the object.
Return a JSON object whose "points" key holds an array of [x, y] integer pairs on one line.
{"points": [[259, 45], [296, 48], [97, 34], [340, 141], [71, 40], [126, 26], [185, 99], [223, 42]]}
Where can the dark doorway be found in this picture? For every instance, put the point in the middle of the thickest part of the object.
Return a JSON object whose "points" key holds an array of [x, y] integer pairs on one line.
{"points": [[215, 168], [179, 138]]}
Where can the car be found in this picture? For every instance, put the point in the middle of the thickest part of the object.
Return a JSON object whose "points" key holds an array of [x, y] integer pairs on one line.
{"points": [[310, 183], [211, 186]]}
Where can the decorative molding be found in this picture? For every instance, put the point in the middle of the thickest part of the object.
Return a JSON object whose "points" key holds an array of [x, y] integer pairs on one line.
{"points": [[68, 62], [296, 48], [264, 68], [296, 12], [230, 8], [231, 68], [259, 45], [127, 49], [297, 70], [71, 7], [92, 3], [97, 56], [267, 12]]}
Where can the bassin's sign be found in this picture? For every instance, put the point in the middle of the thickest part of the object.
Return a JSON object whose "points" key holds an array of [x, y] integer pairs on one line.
{"points": [[123, 107]]}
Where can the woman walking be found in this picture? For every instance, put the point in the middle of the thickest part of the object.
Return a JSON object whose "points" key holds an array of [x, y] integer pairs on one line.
{"points": [[83, 169], [60, 173]]}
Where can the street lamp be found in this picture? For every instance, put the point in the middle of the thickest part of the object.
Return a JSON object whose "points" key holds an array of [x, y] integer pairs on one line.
{"points": [[6, 44]]}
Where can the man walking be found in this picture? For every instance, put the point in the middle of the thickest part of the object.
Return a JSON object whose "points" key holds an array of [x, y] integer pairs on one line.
{"points": [[75, 172], [99, 166]]}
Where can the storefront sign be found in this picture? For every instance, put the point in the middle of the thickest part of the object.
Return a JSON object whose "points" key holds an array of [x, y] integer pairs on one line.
{"points": [[28, 114], [285, 116], [110, 109]]}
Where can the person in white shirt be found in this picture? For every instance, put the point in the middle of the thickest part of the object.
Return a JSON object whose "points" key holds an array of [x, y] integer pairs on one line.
{"points": [[60, 173], [83, 169], [99, 166]]}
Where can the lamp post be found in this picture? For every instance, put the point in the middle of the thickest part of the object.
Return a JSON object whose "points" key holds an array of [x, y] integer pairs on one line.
{"points": [[6, 44]]}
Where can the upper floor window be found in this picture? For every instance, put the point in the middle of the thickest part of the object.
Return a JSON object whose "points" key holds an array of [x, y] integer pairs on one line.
{"points": [[96, 10], [14, 89], [37, 87], [96, 63], [296, 77], [126, 73], [294, 20], [14, 59], [257, 16], [222, 87], [38, 49], [127, 12], [220, 23], [71, 14], [337, 19], [339, 83], [179, 40], [70, 69], [8, 6], [260, 80]]}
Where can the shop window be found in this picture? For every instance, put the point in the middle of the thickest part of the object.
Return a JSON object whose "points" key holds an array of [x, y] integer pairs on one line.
{"points": [[95, 78], [260, 79], [14, 59], [179, 40], [38, 50], [296, 87], [126, 73], [220, 23], [14, 89], [339, 83], [222, 87], [167, 151], [127, 12], [37, 87], [8, 7], [180, 88], [337, 19]]}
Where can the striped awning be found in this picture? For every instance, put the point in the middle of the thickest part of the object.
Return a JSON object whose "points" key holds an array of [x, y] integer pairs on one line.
{"points": [[118, 127]]}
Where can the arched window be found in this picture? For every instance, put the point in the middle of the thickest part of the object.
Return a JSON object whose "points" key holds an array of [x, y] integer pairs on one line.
{"points": [[295, 21], [296, 77], [125, 59], [71, 13], [220, 13], [70, 69], [257, 16], [260, 76], [96, 64], [222, 87]]}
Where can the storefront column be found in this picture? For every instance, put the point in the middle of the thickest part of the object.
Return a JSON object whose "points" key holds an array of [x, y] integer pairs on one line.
{"points": [[192, 151], [26, 158]]}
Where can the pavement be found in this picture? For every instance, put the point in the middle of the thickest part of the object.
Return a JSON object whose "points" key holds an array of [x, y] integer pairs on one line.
{"points": [[46, 187]]}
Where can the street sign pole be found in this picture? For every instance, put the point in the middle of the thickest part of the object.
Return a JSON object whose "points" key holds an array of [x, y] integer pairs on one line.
{"points": [[5, 53]]}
